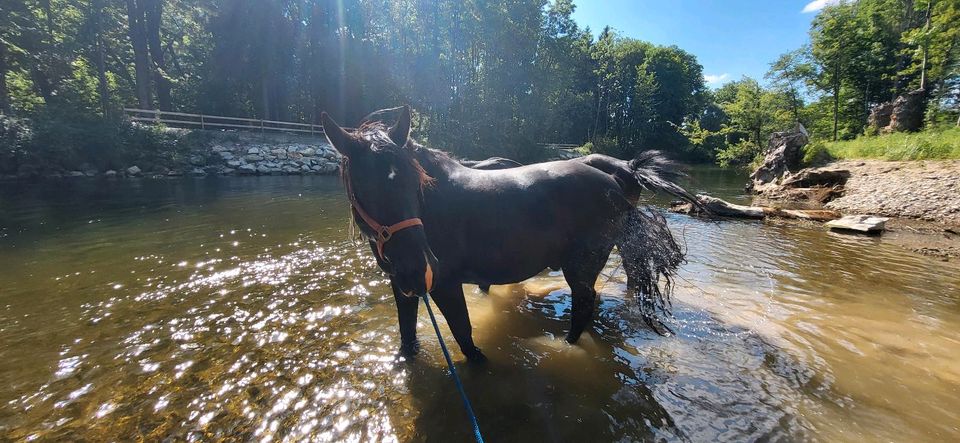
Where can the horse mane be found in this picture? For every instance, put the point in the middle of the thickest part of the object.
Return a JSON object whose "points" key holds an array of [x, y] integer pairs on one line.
{"points": [[376, 133]]}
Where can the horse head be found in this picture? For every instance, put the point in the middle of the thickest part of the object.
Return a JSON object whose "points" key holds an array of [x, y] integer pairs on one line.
{"points": [[385, 183]]}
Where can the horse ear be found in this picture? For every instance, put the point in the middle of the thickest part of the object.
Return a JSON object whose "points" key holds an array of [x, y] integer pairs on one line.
{"points": [[400, 132], [337, 136]]}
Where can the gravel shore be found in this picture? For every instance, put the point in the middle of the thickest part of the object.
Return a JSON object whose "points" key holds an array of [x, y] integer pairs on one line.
{"points": [[925, 190]]}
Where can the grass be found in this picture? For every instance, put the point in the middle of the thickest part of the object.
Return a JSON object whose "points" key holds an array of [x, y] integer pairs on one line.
{"points": [[933, 144]]}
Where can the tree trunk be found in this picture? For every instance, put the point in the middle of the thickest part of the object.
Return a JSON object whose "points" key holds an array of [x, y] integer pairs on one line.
{"points": [[926, 46], [4, 95], [153, 15], [836, 100], [100, 58], [141, 61]]}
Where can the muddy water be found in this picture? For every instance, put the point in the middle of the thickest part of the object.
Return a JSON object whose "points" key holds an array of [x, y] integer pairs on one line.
{"points": [[237, 309]]}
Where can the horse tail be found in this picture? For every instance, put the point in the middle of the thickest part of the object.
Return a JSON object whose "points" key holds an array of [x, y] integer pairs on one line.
{"points": [[651, 257], [654, 172]]}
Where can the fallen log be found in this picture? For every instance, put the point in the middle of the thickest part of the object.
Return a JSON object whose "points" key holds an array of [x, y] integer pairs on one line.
{"points": [[722, 208]]}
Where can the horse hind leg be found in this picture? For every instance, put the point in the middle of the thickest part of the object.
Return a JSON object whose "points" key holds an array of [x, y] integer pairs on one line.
{"points": [[650, 256], [581, 275]]}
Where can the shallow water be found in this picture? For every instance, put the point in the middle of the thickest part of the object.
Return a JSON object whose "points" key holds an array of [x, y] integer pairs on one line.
{"points": [[237, 309]]}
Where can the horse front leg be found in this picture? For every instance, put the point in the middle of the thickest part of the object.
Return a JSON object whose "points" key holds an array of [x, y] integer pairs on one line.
{"points": [[450, 300], [407, 315]]}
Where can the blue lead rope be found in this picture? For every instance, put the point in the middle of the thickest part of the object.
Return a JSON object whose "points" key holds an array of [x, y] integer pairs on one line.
{"points": [[453, 373]]}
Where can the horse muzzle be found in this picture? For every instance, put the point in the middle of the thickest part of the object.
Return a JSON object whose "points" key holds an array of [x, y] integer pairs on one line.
{"points": [[418, 279]]}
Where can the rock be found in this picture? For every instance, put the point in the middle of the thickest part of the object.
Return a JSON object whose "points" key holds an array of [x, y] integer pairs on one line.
{"points": [[218, 148], [76, 174], [174, 173], [880, 117], [859, 223], [253, 151], [907, 113], [331, 154], [810, 177], [263, 169], [227, 171], [253, 158], [134, 171], [247, 169], [226, 155], [197, 160], [90, 172], [110, 173], [783, 156], [308, 152], [197, 172], [234, 163], [326, 168], [305, 168]]}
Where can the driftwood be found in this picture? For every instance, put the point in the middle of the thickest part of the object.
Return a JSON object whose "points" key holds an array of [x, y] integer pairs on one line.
{"points": [[722, 208]]}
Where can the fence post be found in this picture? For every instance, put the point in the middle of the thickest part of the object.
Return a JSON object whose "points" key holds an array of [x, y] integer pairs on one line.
{"points": [[156, 115], [261, 126], [201, 122]]}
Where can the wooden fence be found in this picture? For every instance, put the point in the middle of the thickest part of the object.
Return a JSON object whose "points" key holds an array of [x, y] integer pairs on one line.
{"points": [[201, 121]]}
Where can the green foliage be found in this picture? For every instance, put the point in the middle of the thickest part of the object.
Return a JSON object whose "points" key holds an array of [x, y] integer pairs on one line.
{"points": [[816, 154], [932, 144], [742, 153], [16, 135]]}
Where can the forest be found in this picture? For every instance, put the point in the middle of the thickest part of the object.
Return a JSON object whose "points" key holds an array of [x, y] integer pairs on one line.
{"points": [[485, 78]]}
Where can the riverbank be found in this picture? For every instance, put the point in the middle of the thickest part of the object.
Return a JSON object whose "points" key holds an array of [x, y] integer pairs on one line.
{"points": [[929, 144], [199, 153], [921, 198], [927, 190]]}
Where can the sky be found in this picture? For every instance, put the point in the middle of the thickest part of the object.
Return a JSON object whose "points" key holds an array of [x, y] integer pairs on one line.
{"points": [[730, 38]]}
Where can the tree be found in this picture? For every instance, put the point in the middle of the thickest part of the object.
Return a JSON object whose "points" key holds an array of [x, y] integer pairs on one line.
{"points": [[136, 24]]}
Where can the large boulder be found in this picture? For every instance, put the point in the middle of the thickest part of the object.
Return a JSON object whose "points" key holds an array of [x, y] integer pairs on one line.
{"points": [[907, 113], [880, 117], [134, 171], [784, 153]]}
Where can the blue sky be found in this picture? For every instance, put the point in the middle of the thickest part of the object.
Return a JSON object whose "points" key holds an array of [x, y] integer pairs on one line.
{"points": [[731, 38]]}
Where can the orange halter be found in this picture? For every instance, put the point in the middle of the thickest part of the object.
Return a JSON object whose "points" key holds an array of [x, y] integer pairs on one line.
{"points": [[383, 233]]}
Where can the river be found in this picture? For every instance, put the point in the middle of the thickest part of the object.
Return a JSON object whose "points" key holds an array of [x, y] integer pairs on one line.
{"points": [[239, 309]]}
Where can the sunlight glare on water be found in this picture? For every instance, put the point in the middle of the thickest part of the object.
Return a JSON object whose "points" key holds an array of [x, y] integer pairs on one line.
{"points": [[238, 308]]}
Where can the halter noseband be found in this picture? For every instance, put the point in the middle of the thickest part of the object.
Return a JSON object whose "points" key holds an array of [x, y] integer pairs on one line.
{"points": [[383, 233]]}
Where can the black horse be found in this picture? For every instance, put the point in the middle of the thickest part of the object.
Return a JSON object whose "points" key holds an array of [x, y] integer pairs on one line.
{"points": [[491, 163], [435, 224]]}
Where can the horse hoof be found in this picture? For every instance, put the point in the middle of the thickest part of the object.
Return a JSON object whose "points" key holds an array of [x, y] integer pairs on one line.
{"points": [[572, 338], [476, 356], [410, 349]]}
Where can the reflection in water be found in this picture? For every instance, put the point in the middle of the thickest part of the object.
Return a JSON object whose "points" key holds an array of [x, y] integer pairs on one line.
{"points": [[209, 309]]}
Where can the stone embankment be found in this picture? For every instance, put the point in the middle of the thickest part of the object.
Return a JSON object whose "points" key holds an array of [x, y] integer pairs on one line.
{"points": [[220, 153], [273, 159]]}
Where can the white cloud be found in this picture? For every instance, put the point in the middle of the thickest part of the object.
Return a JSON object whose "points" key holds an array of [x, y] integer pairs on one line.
{"points": [[713, 79], [817, 5]]}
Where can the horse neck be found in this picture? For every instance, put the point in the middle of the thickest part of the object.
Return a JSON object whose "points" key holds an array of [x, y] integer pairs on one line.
{"points": [[437, 164]]}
